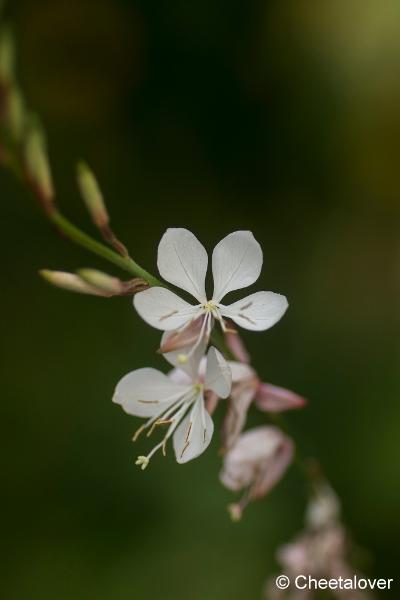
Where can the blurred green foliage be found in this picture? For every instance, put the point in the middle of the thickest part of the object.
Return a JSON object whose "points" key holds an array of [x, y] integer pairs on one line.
{"points": [[282, 117]]}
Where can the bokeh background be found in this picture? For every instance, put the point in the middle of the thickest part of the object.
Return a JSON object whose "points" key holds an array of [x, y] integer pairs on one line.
{"points": [[282, 117]]}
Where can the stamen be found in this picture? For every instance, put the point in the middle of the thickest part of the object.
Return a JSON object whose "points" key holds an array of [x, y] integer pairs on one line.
{"points": [[164, 446], [156, 423], [138, 432], [163, 418], [205, 327]]}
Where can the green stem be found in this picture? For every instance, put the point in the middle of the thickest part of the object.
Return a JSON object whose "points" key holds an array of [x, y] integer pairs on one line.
{"points": [[83, 239]]}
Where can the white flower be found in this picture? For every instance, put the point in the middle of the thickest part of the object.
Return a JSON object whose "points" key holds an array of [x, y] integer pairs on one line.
{"points": [[236, 264], [177, 401]]}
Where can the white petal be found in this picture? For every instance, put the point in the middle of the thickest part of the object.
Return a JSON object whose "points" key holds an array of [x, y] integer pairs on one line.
{"points": [[186, 358], [258, 311], [182, 261], [241, 372], [179, 376], [236, 263], [163, 309], [193, 434], [218, 374], [236, 415], [144, 392], [184, 337]]}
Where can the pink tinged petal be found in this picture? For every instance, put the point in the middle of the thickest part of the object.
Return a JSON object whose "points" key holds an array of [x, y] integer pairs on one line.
{"points": [[257, 461], [211, 401], [241, 372], [271, 398], [236, 415], [145, 391], [182, 261], [186, 359], [163, 309], [258, 311], [181, 338], [218, 374], [275, 469], [237, 347], [236, 263], [193, 434], [179, 376]]}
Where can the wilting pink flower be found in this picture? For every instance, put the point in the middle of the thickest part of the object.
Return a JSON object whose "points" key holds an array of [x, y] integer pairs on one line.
{"points": [[246, 388], [236, 264], [256, 463], [321, 550]]}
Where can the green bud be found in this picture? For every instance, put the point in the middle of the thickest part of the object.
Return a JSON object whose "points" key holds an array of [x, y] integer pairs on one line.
{"points": [[7, 55], [16, 114], [91, 195], [102, 281], [37, 162], [68, 281]]}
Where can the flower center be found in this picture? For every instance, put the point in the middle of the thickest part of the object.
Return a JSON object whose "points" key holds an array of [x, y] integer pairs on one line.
{"points": [[209, 306], [198, 388]]}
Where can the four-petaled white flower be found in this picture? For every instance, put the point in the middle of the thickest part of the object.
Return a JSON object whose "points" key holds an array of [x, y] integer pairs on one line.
{"points": [[236, 264], [176, 400]]}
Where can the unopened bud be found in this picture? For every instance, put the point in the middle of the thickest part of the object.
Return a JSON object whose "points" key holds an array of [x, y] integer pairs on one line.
{"points": [[7, 56], [70, 282], [92, 196], [37, 164], [102, 281], [135, 285], [15, 114]]}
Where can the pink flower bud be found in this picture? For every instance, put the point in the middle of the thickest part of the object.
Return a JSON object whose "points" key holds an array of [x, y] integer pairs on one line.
{"points": [[271, 398], [237, 347], [244, 388]]}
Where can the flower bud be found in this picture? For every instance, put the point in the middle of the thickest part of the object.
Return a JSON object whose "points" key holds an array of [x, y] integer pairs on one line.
{"points": [[15, 118], [7, 56], [92, 196], [70, 282], [236, 346], [102, 281], [37, 164], [274, 399], [323, 509]]}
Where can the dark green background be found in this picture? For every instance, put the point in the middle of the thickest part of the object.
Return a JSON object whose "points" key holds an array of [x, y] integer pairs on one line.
{"points": [[280, 117]]}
